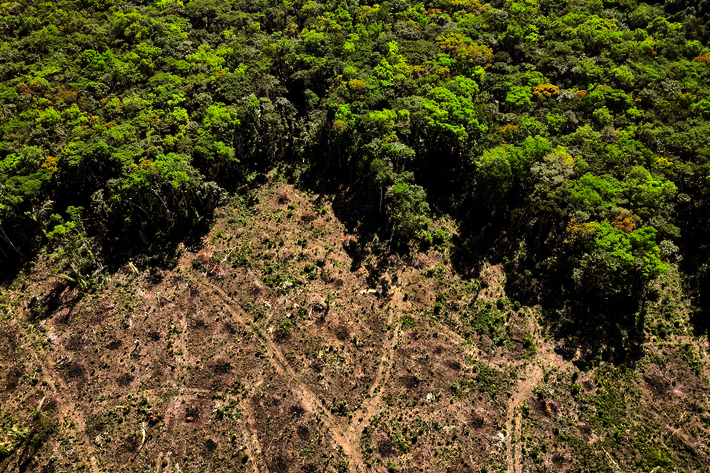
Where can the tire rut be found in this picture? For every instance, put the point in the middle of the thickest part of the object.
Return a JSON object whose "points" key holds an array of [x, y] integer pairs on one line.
{"points": [[344, 435], [384, 370], [297, 387], [523, 390]]}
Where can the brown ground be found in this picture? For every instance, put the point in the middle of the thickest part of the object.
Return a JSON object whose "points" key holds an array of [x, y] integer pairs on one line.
{"points": [[277, 347]]}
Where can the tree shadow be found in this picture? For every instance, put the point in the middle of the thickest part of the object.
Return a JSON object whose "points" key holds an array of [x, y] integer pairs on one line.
{"points": [[14, 265], [18, 247], [695, 262], [700, 317], [588, 328], [162, 252], [153, 237], [41, 429], [480, 240], [59, 296]]}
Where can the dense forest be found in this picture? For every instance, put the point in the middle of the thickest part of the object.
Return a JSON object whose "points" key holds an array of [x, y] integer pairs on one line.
{"points": [[570, 137], [566, 140]]}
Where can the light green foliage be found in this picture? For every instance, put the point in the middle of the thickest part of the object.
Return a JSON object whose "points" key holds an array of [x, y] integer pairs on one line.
{"points": [[220, 119], [349, 72], [451, 113], [554, 168], [646, 194], [215, 59], [494, 171], [180, 115], [344, 118], [603, 117], [75, 250], [592, 193], [598, 33], [531, 126], [463, 86], [172, 168], [634, 113], [393, 69], [93, 60], [615, 260], [499, 168], [407, 209], [702, 108], [223, 151], [519, 97], [623, 76], [555, 122], [48, 118], [383, 118]]}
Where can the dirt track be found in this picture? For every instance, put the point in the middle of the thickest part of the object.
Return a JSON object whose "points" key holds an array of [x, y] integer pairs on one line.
{"points": [[345, 435], [522, 391]]}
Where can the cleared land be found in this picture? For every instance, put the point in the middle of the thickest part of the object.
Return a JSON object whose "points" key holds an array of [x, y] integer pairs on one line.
{"points": [[275, 346]]}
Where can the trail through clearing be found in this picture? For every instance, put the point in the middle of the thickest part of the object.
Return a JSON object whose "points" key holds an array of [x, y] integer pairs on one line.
{"points": [[345, 435], [523, 389]]}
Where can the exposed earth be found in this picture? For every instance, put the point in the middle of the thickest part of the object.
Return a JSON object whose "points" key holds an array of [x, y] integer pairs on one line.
{"points": [[281, 344]]}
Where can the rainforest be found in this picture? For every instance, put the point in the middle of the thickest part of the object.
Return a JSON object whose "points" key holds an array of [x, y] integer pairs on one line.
{"points": [[347, 236]]}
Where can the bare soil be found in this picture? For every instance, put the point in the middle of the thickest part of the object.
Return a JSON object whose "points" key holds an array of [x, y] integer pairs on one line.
{"points": [[278, 345]]}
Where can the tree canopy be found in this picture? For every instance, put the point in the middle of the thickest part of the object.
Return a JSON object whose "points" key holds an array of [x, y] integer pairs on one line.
{"points": [[575, 128]]}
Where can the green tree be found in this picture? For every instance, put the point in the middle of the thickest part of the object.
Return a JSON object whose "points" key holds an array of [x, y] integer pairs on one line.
{"points": [[615, 263], [76, 252], [407, 211]]}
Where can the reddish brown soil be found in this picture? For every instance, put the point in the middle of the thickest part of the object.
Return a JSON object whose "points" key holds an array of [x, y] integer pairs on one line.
{"points": [[269, 349]]}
